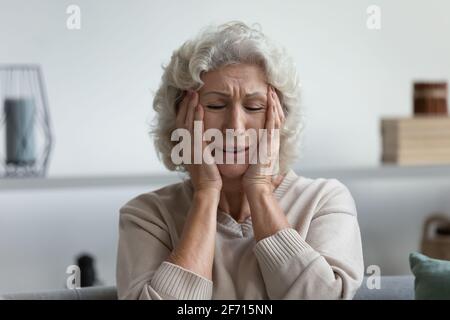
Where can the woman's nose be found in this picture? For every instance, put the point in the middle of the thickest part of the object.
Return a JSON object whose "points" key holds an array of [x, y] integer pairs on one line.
{"points": [[235, 119]]}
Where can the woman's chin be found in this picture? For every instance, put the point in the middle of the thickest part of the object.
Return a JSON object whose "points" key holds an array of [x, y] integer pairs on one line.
{"points": [[231, 171]]}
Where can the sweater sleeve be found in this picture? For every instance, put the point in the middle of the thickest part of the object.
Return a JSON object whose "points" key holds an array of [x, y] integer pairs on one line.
{"points": [[328, 264], [144, 244]]}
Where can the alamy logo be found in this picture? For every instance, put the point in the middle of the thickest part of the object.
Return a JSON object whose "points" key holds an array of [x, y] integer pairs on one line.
{"points": [[374, 17], [73, 21], [374, 280], [252, 147], [74, 278]]}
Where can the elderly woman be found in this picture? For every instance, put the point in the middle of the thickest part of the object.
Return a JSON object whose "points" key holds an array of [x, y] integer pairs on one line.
{"points": [[229, 231]]}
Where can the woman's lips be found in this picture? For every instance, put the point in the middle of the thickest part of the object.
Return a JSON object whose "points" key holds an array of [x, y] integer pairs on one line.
{"points": [[235, 150]]}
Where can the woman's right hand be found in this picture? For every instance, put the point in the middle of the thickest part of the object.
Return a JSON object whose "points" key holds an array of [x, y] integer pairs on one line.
{"points": [[204, 177]]}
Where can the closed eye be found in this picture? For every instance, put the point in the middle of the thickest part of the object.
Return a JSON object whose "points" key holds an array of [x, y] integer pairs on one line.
{"points": [[254, 109], [216, 107]]}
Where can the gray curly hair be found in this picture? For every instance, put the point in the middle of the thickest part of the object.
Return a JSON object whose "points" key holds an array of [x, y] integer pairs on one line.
{"points": [[214, 47]]}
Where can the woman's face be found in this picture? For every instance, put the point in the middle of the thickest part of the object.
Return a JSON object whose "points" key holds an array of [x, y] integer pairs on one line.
{"points": [[234, 97]]}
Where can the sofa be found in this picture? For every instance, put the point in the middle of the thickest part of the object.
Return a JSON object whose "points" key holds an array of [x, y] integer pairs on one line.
{"points": [[391, 288]]}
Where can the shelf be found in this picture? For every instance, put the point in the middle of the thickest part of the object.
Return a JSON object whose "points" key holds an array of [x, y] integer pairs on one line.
{"points": [[88, 181], [344, 174], [381, 172]]}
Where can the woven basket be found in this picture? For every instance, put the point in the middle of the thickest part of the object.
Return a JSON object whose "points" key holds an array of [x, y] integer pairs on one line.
{"points": [[436, 236]]}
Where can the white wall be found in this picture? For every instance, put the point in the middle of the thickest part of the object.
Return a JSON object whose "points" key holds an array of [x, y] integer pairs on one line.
{"points": [[100, 78]]}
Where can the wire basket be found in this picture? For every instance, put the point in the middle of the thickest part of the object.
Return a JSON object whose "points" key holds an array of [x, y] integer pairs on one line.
{"points": [[25, 131], [436, 236]]}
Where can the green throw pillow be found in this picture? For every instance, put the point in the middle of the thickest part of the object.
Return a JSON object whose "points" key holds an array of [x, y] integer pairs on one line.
{"points": [[432, 277]]}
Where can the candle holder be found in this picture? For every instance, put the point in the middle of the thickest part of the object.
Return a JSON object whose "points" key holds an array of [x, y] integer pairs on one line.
{"points": [[430, 98], [25, 131]]}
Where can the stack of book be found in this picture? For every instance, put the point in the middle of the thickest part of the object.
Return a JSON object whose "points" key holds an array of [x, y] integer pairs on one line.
{"points": [[417, 140]]}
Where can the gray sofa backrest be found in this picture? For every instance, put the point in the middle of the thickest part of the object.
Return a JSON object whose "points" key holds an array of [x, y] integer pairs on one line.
{"points": [[392, 288], [90, 293]]}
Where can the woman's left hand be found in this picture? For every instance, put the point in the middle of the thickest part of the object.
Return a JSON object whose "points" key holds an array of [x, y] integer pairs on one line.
{"points": [[259, 175]]}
